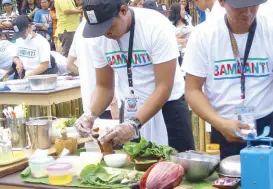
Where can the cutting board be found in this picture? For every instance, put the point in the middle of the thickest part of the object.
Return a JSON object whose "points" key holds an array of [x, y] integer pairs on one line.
{"points": [[19, 166]]}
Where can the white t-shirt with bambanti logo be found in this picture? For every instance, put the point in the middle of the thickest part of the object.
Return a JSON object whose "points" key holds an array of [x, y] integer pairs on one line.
{"points": [[7, 52], [33, 52], [209, 55], [154, 43]]}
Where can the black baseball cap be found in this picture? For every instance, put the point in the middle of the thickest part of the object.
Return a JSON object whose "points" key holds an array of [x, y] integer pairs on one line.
{"points": [[244, 3], [163, 8], [20, 24], [99, 16], [150, 4]]}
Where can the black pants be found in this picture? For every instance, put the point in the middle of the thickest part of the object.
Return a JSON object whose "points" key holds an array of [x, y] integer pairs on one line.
{"points": [[232, 148], [106, 115], [179, 127], [53, 70]]}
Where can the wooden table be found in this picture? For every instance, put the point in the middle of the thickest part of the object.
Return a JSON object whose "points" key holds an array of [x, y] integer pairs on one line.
{"points": [[62, 93]]}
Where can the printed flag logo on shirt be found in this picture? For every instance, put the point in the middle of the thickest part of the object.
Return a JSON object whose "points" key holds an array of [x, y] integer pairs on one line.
{"points": [[119, 59], [229, 69]]}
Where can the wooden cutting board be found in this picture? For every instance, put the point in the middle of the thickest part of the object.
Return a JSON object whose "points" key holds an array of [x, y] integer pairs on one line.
{"points": [[19, 166]]}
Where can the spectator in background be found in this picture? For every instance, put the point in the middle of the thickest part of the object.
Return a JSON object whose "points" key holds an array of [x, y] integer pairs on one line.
{"points": [[8, 56], [32, 49], [183, 28], [78, 4], [54, 26], [187, 15], [68, 21], [29, 8], [150, 4], [136, 3], [43, 20], [163, 9], [213, 9], [6, 18]]}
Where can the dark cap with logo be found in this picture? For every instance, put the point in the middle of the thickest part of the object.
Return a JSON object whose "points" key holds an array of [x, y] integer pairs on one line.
{"points": [[244, 3], [20, 24], [99, 15], [163, 8]]}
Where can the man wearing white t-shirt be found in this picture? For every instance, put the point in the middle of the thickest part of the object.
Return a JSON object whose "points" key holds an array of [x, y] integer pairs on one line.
{"points": [[143, 53], [237, 78], [79, 52]]}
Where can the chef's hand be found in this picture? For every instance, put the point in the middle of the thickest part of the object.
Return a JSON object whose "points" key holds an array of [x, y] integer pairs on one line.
{"points": [[228, 128], [85, 124], [122, 133]]}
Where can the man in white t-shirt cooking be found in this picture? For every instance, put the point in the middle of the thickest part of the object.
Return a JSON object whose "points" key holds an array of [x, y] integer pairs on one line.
{"points": [[32, 49], [233, 60], [151, 83]]}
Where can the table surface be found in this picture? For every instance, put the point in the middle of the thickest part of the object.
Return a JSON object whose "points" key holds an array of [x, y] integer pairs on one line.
{"points": [[65, 86], [64, 92]]}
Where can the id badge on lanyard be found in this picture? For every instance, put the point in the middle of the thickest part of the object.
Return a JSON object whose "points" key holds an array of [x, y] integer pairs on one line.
{"points": [[244, 114], [131, 105]]}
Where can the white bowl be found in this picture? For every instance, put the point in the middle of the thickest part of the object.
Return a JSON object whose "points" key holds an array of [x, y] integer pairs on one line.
{"points": [[115, 160], [17, 85], [93, 157]]}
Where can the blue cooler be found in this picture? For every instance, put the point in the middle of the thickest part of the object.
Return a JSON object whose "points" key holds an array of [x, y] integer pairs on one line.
{"points": [[257, 163]]}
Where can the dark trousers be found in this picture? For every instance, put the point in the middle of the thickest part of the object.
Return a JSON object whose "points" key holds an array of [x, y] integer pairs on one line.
{"points": [[106, 115], [53, 70], [66, 39], [178, 122], [232, 148]]}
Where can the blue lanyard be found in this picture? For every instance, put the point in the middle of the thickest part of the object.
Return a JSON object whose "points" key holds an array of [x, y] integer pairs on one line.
{"points": [[241, 65]]}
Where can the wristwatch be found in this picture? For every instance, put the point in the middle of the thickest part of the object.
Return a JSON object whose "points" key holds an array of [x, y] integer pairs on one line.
{"points": [[137, 125]]}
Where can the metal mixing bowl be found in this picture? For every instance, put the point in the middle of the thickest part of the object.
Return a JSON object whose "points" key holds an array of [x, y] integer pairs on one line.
{"points": [[43, 82], [197, 166], [230, 167]]}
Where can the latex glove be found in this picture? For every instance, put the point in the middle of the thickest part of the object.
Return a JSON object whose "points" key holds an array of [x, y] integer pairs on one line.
{"points": [[122, 133], [85, 124]]}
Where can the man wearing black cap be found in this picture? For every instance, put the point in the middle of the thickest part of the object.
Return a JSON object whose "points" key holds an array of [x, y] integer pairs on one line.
{"points": [[140, 46], [233, 59]]}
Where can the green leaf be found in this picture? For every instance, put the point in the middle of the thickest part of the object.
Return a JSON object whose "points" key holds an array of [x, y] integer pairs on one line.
{"points": [[148, 149], [26, 172]]}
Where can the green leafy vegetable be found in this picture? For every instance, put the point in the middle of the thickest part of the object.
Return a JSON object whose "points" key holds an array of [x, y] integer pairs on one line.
{"points": [[148, 149], [96, 175], [67, 123]]}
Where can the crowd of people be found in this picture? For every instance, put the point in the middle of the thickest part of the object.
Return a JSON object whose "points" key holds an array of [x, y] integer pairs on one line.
{"points": [[157, 62]]}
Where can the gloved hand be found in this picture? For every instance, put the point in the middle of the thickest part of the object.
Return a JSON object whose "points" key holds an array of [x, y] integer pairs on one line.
{"points": [[122, 133], [85, 124]]}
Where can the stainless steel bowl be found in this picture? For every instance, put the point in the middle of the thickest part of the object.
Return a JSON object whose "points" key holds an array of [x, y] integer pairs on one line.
{"points": [[197, 166], [43, 82], [230, 167]]}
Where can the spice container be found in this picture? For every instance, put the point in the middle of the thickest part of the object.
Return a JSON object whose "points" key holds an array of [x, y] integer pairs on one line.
{"points": [[38, 166], [60, 173]]}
